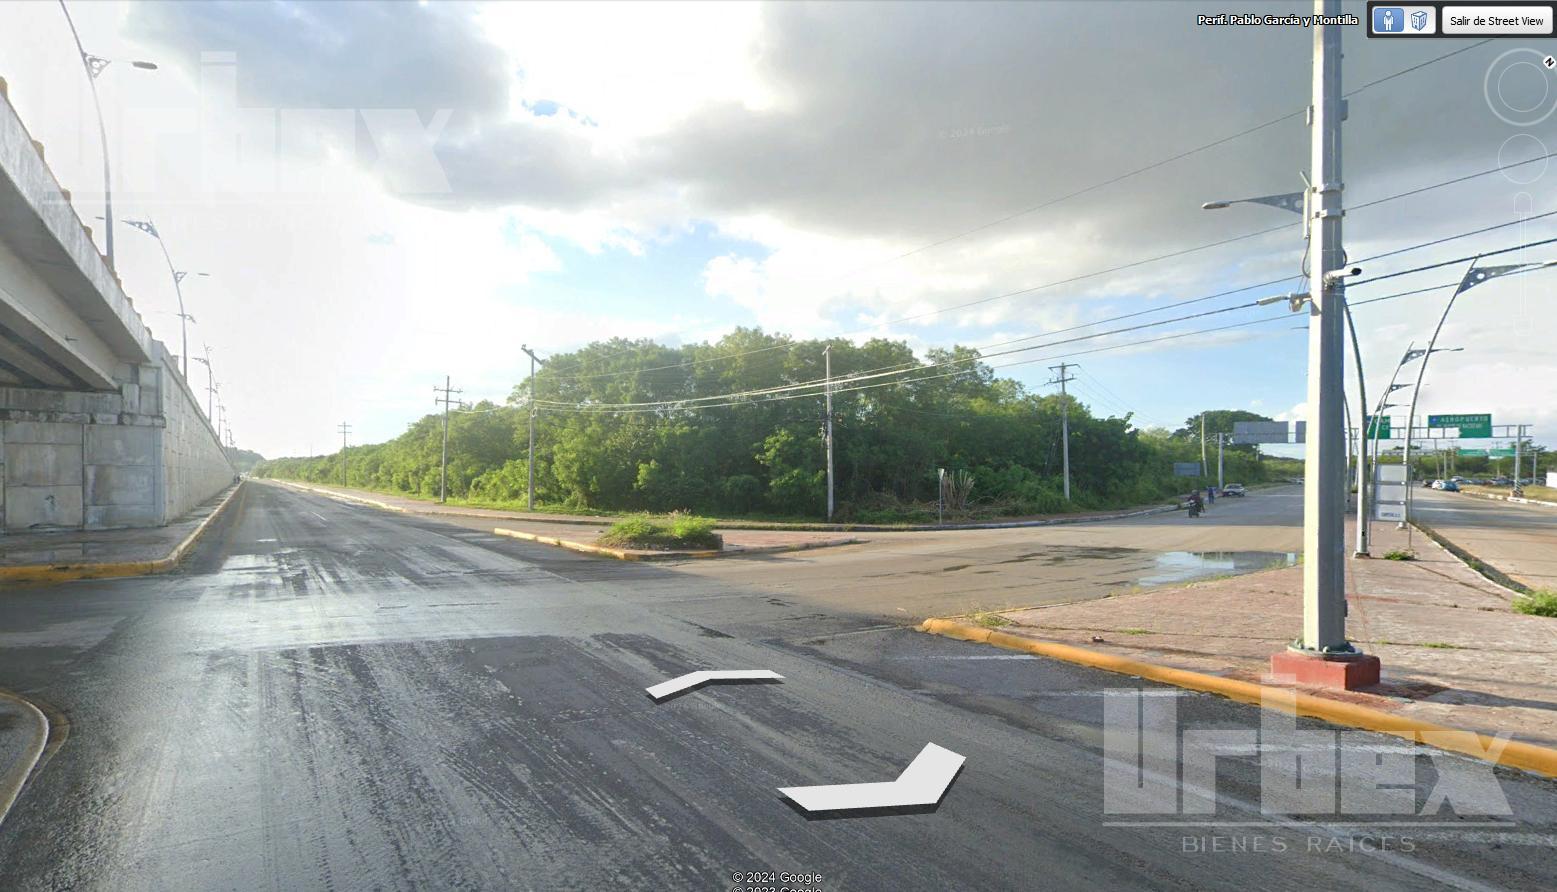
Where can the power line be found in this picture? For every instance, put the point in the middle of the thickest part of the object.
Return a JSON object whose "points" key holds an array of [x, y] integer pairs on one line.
{"points": [[983, 356], [1152, 166], [608, 410], [1121, 268]]}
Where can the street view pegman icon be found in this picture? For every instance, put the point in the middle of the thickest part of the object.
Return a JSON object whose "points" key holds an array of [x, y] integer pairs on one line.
{"points": [[1389, 19]]}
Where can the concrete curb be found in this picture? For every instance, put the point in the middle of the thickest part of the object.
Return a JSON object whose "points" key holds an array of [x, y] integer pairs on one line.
{"points": [[1513, 753], [12, 781], [1515, 499], [1473, 563], [114, 569], [330, 493], [622, 554], [745, 525]]}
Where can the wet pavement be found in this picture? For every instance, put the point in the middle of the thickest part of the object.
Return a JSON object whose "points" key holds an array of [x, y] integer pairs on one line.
{"points": [[331, 697], [34, 548], [1518, 539]]}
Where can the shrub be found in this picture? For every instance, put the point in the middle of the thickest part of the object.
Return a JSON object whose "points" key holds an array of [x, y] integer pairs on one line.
{"points": [[1542, 602], [1400, 554], [679, 531]]}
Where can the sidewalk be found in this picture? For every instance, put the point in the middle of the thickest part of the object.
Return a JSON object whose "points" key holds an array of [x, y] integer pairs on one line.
{"points": [[1453, 651], [421, 506], [82, 554]]}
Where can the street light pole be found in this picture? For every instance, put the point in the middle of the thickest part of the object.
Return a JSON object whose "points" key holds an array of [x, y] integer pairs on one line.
{"points": [[150, 228], [94, 66], [1324, 505]]}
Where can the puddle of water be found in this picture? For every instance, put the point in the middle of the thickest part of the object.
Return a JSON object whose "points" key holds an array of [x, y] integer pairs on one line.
{"points": [[1186, 566]]}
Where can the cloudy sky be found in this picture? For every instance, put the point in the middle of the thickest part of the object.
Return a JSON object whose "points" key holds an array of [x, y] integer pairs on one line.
{"points": [[384, 194]]}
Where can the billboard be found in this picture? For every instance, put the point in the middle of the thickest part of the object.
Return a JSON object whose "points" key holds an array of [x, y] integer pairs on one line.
{"points": [[1186, 469], [1268, 431]]}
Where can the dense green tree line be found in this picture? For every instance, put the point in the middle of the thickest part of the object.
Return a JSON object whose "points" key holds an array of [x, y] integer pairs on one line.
{"points": [[764, 455]]}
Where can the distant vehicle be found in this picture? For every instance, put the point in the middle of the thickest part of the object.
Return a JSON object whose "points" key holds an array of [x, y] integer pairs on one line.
{"points": [[1502, 481], [1436, 484], [1450, 486], [1233, 489]]}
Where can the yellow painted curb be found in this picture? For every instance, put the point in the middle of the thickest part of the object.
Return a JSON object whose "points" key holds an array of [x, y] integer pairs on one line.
{"points": [[12, 782], [600, 550], [625, 555], [1514, 753], [114, 569]]}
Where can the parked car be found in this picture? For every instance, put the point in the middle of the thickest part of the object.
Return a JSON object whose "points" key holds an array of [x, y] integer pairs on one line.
{"points": [[1233, 489], [1436, 484], [1450, 486]]}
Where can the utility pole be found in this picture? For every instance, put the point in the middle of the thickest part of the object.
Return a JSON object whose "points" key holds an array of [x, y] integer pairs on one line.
{"points": [[827, 360], [530, 465], [443, 469], [1202, 441], [345, 429], [1220, 439], [1519, 437], [1323, 643], [1060, 378]]}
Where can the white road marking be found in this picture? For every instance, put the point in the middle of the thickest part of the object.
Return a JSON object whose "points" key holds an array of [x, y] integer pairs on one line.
{"points": [[921, 783], [693, 679]]}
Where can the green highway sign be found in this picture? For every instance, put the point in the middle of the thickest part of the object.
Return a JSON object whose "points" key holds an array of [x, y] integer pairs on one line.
{"points": [[1378, 428], [1501, 453], [1472, 426], [1474, 453]]}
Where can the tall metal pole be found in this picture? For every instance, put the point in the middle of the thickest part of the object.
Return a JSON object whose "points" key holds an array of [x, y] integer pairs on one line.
{"points": [[827, 360], [1060, 378], [443, 468], [1519, 436], [1202, 441], [102, 132], [210, 381], [530, 492], [1220, 439], [1363, 520], [1416, 392], [345, 429], [1324, 495]]}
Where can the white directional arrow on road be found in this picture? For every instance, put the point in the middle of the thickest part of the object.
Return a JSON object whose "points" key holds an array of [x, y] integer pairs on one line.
{"points": [[694, 679], [922, 783]]}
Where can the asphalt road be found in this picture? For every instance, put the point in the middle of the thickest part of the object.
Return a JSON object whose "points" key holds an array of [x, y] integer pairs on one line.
{"points": [[915, 575], [1519, 539], [331, 697]]}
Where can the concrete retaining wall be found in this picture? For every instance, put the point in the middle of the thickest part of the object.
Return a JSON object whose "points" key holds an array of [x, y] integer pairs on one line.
{"points": [[194, 462], [139, 457]]}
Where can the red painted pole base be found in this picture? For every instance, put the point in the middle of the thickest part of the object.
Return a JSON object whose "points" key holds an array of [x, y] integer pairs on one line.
{"points": [[1310, 669]]}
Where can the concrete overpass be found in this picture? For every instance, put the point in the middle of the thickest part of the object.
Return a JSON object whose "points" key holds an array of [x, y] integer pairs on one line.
{"points": [[97, 427]]}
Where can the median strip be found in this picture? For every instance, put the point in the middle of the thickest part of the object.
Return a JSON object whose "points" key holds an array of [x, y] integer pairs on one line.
{"points": [[26, 719], [629, 554], [1513, 753]]}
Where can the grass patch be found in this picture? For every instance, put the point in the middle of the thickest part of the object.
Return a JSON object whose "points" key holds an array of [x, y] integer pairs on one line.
{"points": [[676, 532], [1136, 632], [1400, 554], [1541, 602], [990, 620], [1442, 645]]}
